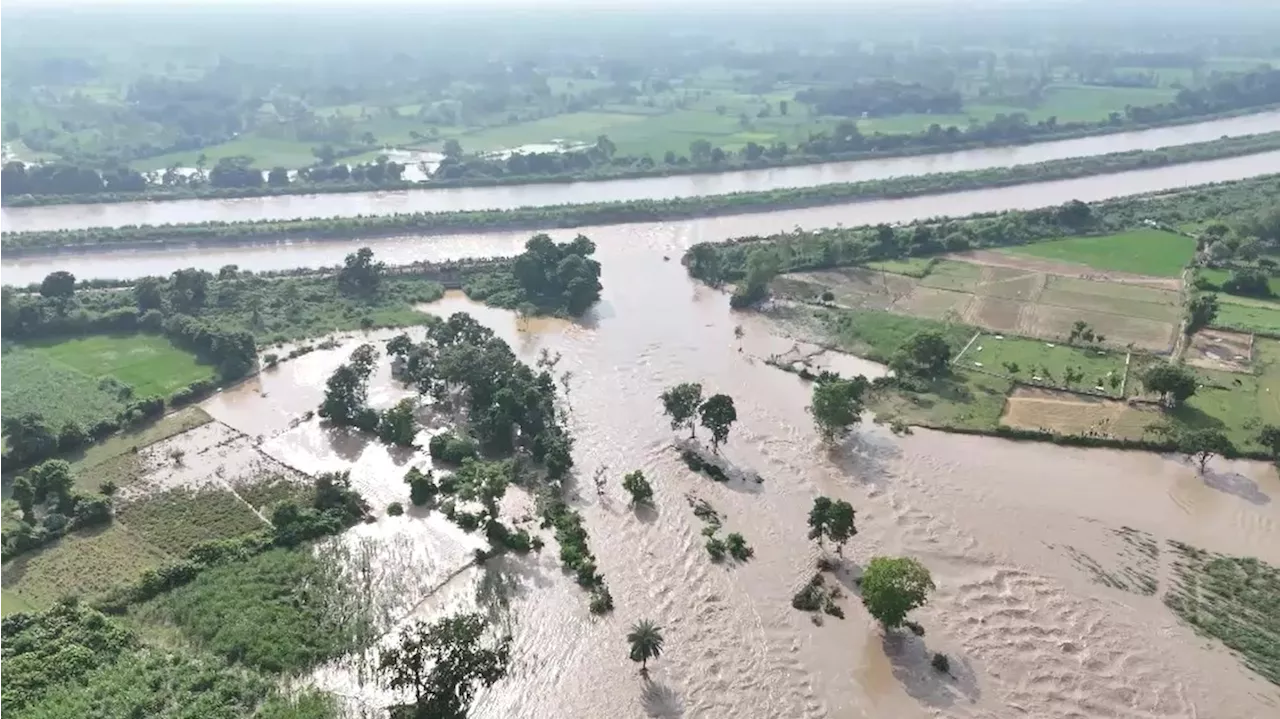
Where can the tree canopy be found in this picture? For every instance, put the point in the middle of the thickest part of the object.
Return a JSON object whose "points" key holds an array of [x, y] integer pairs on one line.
{"points": [[680, 403], [893, 586], [925, 354], [444, 663], [833, 520], [1175, 382], [718, 414], [837, 404], [645, 642]]}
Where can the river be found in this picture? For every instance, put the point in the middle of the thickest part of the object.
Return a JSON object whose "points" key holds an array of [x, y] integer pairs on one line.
{"points": [[19, 219], [1002, 526], [670, 238]]}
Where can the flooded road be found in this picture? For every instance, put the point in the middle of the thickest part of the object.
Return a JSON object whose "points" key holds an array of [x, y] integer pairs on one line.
{"points": [[671, 238], [20, 219], [1001, 525]]}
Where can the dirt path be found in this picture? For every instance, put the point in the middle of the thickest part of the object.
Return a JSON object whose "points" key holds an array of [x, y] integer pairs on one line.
{"points": [[992, 258]]}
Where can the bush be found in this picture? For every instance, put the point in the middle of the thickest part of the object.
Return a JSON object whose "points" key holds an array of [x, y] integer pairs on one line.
{"points": [[422, 488], [395, 509], [694, 461], [717, 549], [639, 488], [452, 448], [738, 547], [810, 596], [941, 663]]}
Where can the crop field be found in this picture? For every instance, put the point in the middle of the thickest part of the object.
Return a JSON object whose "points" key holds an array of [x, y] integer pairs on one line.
{"points": [[82, 562], [82, 379], [1245, 314], [1216, 277], [150, 364], [1046, 362], [178, 519], [1141, 252], [1038, 408], [1220, 350], [1006, 300], [116, 459]]}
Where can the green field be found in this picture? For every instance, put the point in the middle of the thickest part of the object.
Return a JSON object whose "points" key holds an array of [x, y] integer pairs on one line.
{"points": [[82, 563], [1216, 277], [910, 266], [71, 380], [179, 519], [877, 335], [1142, 252], [1248, 315], [1035, 358]]}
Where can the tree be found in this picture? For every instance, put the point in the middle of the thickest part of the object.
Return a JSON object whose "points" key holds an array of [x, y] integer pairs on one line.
{"points": [[832, 519], [893, 586], [925, 354], [58, 285], [1174, 382], [360, 275], [606, 147], [1201, 445], [700, 151], [681, 403], [639, 488], [347, 388], [29, 437], [147, 293], [396, 424], [25, 495], [1201, 312], [837, 404], [52, 480], [718, 414], [645, 640], [1269, 437], [452, 149], [278, 177], [444, 663], [188, 290]]}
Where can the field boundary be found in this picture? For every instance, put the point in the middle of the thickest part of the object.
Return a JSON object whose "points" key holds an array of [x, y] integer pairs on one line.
{"points": [[972, 339]]}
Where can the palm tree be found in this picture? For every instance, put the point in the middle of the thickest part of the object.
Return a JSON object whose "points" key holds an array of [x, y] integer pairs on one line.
{"points": [[646, 643]]}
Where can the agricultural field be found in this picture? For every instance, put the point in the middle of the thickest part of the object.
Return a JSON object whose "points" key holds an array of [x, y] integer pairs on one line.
{"points": [[91, 378], [1046, 363], [1010, 300], [1140, 252], [1245, 314]]}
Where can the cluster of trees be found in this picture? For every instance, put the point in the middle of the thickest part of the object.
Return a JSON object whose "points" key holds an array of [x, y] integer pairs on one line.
{"points": [[547, 278], [684, 406], [925, 355], [443, 664], [879, 98], [49, 507]]}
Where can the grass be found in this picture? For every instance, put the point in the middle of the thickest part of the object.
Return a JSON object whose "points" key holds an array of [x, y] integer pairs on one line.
{"points": [[1227, 401], [1233, 599], [178, 519], [151, 364], [82, 563], [877, 335], [61, 394], [266, 153], [965, 400], [1143, 252], [1036, 358], [1248, 315], [916, 267], [1216, 277], [278, 611]]}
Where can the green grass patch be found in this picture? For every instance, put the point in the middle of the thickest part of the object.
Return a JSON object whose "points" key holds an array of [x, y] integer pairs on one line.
{"points": [[951, 275], [964, 400], [1216, 277], [877, 335], [1226, 401], [33, 383], [278, 611], [1233, 599], [1248, 315], [1047, 360], [911, 266], [151, 364], [178, 519], [81, 563], [1143, 252]]}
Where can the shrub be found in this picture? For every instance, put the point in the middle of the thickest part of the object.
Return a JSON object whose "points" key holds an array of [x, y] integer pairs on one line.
{"points": [[810, 596], [639, 488], [738, 547], [717, 548], [395, 509], [941, 663]]}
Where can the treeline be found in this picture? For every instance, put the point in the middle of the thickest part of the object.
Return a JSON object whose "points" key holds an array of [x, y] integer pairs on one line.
{"points": [[879, 98], [62, 179], [752, 261], [578, 215]]}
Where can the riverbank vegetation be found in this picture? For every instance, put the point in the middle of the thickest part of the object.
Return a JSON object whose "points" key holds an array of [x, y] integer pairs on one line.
{"points": [[824, 86], [579, 215]]}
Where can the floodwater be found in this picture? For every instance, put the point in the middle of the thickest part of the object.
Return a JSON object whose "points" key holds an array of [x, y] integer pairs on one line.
{"points": [[19, 219], [670, 238], [1001, 525]]}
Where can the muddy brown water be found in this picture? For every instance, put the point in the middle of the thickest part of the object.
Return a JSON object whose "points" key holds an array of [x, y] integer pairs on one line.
{"points": [[17, 219], [670, 238], [1029, 632]]}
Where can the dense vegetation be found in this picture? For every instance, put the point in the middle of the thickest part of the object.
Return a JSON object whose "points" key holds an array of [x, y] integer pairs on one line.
{"points": [[577, 215], [235, 111]]}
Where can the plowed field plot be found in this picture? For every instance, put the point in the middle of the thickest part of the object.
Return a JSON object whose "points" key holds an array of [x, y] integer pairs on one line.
{"points": [[1220, 350], [1035, 408], [1010, 300]]}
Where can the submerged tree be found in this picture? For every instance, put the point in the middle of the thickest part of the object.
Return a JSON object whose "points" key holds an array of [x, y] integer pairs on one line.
{"points": [[893, 586], [638, 487], [718, 415], [347, 388], [444, 663], [837, 404], [1202, 444], [681, 403], [832, 519], [645, 641]]}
